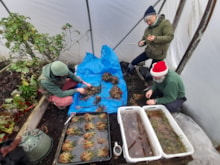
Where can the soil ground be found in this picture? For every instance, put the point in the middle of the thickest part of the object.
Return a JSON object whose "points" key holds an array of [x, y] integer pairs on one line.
{"points": [[53, 120]]}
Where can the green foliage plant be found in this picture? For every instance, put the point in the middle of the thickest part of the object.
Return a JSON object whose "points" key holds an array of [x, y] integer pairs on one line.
{"points": [[25, 43], [6, 124], [21, 37], [27, 92]]}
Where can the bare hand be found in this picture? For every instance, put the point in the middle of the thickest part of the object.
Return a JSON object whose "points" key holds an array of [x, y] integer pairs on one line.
{"points": [[141, 43], [151, 37], [81, 90], [149, 94], [151, 102], [87, 84]]}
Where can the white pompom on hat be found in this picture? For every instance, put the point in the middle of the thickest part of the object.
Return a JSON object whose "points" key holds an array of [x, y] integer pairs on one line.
{"points": [[159, 69], [58, 68]]}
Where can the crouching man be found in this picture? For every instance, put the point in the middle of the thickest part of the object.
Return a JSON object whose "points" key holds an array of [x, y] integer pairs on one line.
{"points": [[167, 89], [58, 83]]}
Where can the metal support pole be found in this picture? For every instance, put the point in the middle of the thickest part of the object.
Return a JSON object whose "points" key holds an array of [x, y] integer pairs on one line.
{"points": [[133, 28], [90, 26], [5, 7], [197, 36]]}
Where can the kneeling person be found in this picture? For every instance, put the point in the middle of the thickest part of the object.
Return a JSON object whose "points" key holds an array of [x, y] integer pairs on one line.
{"points": [[167, 89], [57, 82]]}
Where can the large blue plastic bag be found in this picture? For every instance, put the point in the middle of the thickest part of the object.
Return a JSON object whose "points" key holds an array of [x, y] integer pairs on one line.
{"points": [[91, 70]]}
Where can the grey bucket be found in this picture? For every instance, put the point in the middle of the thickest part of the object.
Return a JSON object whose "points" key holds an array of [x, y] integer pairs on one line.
{"points": [[36, 144]]}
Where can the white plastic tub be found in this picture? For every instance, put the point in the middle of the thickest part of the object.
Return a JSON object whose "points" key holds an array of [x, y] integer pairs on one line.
{"points": [[176, 129], [129, 141]]}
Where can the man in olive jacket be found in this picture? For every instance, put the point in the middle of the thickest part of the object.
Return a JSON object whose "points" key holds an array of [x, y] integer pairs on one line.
{"points": [[157, 38], [168, 88], [58, 84]]}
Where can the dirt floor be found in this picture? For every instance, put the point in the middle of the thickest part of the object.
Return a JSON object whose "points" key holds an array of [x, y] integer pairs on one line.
{"points": [[9, 81], [53, 120]]}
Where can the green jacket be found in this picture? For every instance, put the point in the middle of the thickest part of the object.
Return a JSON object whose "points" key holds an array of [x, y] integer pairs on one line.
{"points": [[50, 85], [172, 88], [163, 30]]}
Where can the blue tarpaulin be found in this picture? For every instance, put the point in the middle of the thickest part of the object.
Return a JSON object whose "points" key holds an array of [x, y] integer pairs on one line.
{"points": [[91, 70]]}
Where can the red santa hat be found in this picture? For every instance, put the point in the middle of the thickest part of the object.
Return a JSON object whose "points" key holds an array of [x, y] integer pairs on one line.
{"points": [[159, 69]]}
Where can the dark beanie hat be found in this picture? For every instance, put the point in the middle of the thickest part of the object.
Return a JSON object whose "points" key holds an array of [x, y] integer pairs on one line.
{"points": [[149, 11]]}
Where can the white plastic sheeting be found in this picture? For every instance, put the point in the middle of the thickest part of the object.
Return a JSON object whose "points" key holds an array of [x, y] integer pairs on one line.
{"points": [[188, 24], [201, 77], [204, 152], [112, 20]]}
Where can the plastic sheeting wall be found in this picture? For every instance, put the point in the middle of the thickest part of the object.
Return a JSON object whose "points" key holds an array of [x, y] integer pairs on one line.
{"points": [[185, 30], [49, 16], [201, 76], [112, 20]]}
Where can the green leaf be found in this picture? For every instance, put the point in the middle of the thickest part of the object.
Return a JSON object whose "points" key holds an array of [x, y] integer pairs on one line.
{"points": [[25, 37], [7, 44], [8, 100]]}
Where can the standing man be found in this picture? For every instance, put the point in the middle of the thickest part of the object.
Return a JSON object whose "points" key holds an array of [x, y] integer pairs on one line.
{"points": [[58, 83], [156, 38], [168, 88]]}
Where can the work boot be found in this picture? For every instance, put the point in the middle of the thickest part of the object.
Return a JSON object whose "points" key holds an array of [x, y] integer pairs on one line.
{"points": [[129, 69], [124, 66], [144, 73]]}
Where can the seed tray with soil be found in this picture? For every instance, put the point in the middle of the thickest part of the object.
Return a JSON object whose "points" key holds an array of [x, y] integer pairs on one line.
{"points": [[85, 139]]}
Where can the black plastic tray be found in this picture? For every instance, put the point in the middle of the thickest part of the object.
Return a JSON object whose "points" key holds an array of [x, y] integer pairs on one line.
{"points": [[78, 139]]}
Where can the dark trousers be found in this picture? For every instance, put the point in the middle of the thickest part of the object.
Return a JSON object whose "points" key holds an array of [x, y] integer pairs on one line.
{"points": [[173, 106], [143, 57]]}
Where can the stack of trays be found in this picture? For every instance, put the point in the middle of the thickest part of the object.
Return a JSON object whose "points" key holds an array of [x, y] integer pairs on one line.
{"points": [[150, 133]]}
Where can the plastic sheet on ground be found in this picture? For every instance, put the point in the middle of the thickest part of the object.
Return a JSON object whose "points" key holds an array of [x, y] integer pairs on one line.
{"points": [[91, 70], [204, 152]]}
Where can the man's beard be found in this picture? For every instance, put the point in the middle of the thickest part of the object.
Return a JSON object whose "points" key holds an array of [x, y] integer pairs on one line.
{"points": [[159, 80]]}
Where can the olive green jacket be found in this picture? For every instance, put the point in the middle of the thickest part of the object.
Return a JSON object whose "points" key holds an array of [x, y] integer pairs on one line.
{"points": [[50, 85], [172, 88], [163, 31]]}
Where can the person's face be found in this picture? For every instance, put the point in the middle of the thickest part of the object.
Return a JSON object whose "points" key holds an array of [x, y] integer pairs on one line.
{"points": [[150, 19], [158, 79]]}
